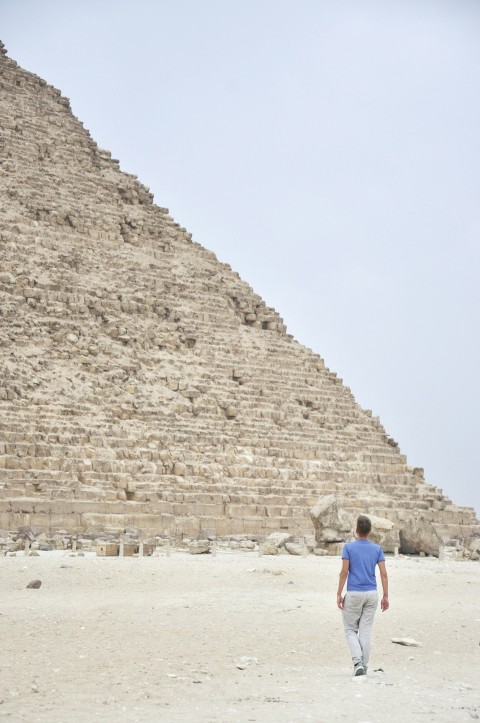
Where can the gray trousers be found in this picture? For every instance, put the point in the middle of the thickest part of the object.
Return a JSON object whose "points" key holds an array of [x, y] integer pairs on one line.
{"points": [[358, 613]]}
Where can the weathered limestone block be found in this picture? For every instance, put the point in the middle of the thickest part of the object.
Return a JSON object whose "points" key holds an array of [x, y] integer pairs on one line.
{"points": [[199, 547], [275, 541], [331, 524], [278, 539], [419, 535], [384, 533], [180, 469], [474, 548], [268, 548], [27, 532], [296, 548]]}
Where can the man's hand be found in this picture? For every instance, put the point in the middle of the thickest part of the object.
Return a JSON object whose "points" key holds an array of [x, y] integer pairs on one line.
{"points": [[340, 600], [384, 603]]}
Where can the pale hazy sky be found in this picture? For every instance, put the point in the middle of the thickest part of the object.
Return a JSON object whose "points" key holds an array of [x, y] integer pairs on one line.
{"points": [[329, 151]]}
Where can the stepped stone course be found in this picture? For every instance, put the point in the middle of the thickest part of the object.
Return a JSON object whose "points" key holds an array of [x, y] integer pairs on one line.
{"points": [[142, 381]]}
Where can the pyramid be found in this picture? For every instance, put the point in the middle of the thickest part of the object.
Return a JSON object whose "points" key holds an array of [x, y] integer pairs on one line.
{"points": [[142, 381]]}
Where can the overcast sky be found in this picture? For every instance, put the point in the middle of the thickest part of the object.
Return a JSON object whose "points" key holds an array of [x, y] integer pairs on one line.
{"points": [[329, 151]]}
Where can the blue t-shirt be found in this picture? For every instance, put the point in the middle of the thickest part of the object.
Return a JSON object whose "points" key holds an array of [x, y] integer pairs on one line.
{"points": [[364, 556]]}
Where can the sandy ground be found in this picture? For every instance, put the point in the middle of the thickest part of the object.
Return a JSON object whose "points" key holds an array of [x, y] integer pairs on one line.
{"points": [[157, 639]]}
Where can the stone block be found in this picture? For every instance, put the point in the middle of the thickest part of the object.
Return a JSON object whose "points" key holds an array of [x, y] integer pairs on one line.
{"points": [[106, 549]]}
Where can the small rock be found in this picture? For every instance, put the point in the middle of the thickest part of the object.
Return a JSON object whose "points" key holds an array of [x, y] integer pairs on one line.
{"points": [[406, 641], [245, 662], [199, 547], [34, 584]]}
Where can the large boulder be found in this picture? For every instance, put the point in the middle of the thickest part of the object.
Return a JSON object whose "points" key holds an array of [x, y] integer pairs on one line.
{"points": [[384, 533], [331, 523], [474, 548], [420, 535]]}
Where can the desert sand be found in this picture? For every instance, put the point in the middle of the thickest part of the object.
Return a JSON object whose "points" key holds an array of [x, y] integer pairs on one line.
{"points": [[231, 637]]}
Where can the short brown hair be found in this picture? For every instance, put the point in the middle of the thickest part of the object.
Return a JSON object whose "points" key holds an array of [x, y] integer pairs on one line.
{"points": [[364, 525]]}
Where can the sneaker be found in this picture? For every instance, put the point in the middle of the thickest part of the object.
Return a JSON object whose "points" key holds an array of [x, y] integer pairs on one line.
{"points": [[358, 670]]}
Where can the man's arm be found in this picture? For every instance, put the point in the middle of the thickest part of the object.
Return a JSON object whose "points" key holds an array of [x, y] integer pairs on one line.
{"points": [[384, 578], [342, 578]]}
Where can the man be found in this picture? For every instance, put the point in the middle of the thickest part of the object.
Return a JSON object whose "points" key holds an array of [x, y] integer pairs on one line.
{"points": [[359, 560]]}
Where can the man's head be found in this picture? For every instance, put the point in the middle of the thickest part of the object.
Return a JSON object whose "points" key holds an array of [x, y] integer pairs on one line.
{"points": [[363, 526]]}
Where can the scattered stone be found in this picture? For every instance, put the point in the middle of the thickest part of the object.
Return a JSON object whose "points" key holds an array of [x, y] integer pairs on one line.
{"points": [[199, 547], [268, 548], [406, 641], [245, 662], [34, 584], [279, 539], [27, 533], [247, 545], [295, 548]]}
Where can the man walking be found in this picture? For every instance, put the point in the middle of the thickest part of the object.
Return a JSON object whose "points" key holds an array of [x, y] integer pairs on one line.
{"points": [[359, 560]]}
